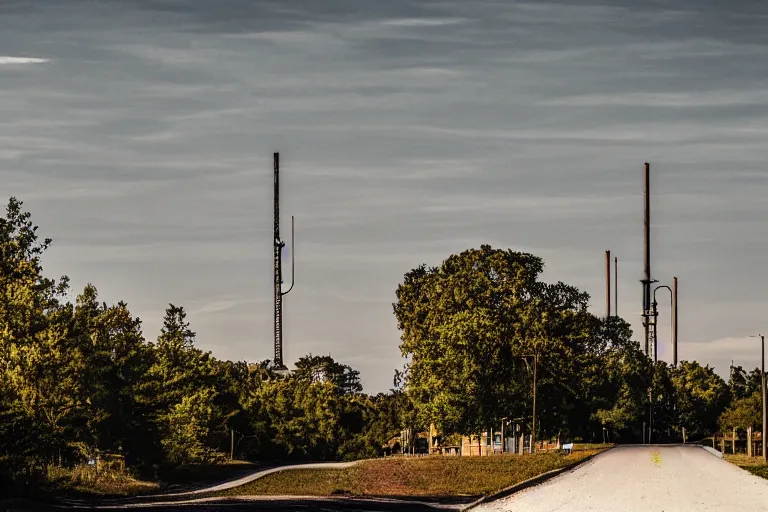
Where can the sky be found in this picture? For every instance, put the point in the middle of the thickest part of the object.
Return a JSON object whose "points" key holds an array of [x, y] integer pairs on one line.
{"points": [[140, 135]]}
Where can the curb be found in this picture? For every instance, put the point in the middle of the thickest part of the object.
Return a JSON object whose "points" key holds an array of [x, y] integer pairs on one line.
{"points": [[714, 452], [530, 482]]}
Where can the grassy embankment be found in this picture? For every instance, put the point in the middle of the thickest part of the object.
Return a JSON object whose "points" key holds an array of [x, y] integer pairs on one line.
{"points": [[754, 465], [86, 482], [417, 476]]}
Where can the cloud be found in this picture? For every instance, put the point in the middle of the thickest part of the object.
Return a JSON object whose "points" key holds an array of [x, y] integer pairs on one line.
{"points": [[423, 22], [708, 99], [21, 60], [743, 351], [408, 130]]}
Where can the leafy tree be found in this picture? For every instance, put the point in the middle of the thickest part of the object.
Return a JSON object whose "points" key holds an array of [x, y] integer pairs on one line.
{"points": [[701, 397], [622, 400], [188, 428], [40, 366], [472, 327], [324, 369], [743, 413]]}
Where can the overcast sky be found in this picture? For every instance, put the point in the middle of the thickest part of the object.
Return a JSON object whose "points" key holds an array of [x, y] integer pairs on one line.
{"points": [[140, 136]]}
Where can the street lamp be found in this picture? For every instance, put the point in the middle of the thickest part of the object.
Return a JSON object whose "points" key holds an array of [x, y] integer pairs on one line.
{"points": [[655, 315], [655, 324], [762, 392], [533, 421], [502, 434]]}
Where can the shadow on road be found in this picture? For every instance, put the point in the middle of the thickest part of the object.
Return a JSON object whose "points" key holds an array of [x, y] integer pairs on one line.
{"points": [[326, 504]]}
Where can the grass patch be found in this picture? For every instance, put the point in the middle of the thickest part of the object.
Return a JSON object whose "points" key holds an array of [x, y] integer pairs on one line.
{"points": [[194, 475], [86, 481], [592, 446], [754, 465], [423, 476]]}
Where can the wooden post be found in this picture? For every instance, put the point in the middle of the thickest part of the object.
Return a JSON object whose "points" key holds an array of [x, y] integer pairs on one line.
{"points": [[722, 445], [683, 435], [522, 443], [733, 441], [749, 441]]}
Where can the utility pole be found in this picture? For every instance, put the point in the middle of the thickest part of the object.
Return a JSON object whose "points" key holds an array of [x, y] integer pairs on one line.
{"points": [[278, 282], [674, 323], [762, 374], [535, 357], [763, 393], [607, 284], [646, 249], [616, 285], [232, 445], [533, 422], [762, 390], [502, 434]]}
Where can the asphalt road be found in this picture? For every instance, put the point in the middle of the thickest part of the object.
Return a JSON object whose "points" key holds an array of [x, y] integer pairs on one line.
{"points": [[287, 503], [671, 478]]}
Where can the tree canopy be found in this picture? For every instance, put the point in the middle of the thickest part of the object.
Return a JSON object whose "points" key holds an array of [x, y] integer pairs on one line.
{"points": [[80, 379]]}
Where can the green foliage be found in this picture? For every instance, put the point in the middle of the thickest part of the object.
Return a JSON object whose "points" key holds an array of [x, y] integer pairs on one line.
{"points": [[743, 413], [80, 381], [187, 429], [701, 397], [474, 326]]}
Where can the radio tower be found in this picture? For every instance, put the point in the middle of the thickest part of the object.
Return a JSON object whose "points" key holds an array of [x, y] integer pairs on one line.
{"points": [[648, 325], [279, 366]]}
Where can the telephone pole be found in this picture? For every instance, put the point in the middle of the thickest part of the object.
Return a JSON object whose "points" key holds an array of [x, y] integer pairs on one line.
{"points": [[607, 284], [674, 322]]}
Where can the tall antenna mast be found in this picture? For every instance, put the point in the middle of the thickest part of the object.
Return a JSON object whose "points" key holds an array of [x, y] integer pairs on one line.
{"points": [[647, 281], [607, 284], [616, 284], [278, 250]]}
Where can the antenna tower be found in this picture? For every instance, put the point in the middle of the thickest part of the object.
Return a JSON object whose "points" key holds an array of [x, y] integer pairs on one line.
{"points": [[279, 293]]}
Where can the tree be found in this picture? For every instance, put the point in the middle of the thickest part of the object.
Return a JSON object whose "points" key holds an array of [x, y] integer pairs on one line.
{"points": [[40, 365], [701, 396], [468, 326], [188, 428], [743, 413], [324, 369], [621, 401]]}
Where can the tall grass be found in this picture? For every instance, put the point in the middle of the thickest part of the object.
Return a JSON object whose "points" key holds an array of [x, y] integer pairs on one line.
{"points": [[86, 479], [417, 476]]}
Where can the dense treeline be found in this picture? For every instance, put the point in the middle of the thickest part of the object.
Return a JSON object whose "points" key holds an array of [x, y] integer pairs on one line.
{"points": [[477, 327], [78, 381]]}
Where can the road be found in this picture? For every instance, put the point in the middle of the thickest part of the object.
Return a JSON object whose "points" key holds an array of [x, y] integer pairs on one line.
{"points": [[671, 478], [285, 503]]}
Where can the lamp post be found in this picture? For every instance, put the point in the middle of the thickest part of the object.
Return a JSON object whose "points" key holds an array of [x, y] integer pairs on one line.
{"points": [[762, 392], [655, 316], [533, 421], [502, 434]]}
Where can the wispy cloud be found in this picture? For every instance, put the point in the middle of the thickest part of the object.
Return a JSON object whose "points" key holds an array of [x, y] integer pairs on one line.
{"points": [[21, 60], [424, 22], [407, 130]]}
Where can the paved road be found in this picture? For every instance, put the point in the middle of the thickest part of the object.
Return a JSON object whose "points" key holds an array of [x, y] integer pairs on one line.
{"points": [[672, 478], [303, 503]]}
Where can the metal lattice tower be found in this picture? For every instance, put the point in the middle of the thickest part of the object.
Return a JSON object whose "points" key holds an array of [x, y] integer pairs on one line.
{"points": [[278, 281]]}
